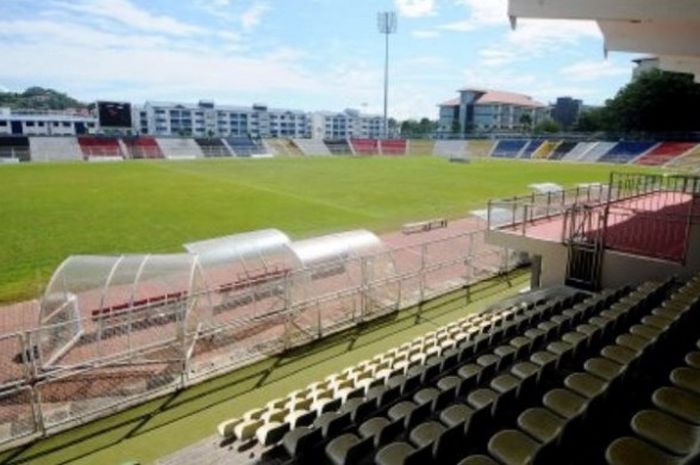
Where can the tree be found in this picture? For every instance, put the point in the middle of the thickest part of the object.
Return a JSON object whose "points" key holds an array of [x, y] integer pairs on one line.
{"points": [[413, 128], [526, 120], [456, 127], [592, 120], [547, 126], [655, 102], [38, 98]]}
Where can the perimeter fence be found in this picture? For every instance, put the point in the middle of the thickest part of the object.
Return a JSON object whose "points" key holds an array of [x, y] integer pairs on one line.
{"points": [[79, 368]]}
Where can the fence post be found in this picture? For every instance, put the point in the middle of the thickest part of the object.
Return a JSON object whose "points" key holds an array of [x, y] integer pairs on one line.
{"points": [[38, 411], [422, 277], [364, 286], [488, 215], [525, 220], [287, 312]]}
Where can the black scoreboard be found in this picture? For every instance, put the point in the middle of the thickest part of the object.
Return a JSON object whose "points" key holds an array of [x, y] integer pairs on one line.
{"points": [[114, 114]]}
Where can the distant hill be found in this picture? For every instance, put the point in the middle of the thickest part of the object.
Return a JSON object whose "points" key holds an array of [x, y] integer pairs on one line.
{"points": [[38, 98]]}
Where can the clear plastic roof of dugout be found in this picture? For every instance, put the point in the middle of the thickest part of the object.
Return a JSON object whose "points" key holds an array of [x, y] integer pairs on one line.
{"points": [[244, 257], [89, 286], [343, 258]]}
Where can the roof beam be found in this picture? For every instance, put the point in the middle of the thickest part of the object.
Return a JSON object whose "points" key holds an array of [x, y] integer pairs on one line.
{"points": [[677, 38], [616, 10], [680, 64]]}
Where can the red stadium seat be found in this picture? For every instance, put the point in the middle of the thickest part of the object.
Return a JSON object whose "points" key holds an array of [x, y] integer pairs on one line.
{"points": [[365, 146], [393, 147], [665, 152]]}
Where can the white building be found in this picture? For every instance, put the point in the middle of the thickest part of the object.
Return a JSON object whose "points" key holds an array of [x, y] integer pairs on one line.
{"points": [[348, 123], [46, 122], [206, 119], [484, 110]]}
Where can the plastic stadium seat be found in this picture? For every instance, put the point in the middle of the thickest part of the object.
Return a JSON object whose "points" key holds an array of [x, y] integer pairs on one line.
{"points": [[401, 453], [511, 447], [665, 153], [508, 148], [624, 152], [348, 449], [678, 402], [666, 431], [632, 451]]}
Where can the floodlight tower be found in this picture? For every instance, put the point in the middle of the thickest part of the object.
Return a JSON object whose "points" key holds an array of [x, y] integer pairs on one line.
{"points": [[386, 23]]}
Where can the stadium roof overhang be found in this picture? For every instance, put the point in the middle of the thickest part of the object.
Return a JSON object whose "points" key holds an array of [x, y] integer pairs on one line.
{"points": [[667, 28]]}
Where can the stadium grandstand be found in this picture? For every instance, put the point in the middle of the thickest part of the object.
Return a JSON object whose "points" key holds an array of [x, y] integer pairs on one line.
{"points": [[312, 146], [245, 146], [663, 153], [101, 148], [508, 148], [364, 146], [554, 327], [530, 148], [339, 146], [393, 146], [212, 147], [142, 147]]}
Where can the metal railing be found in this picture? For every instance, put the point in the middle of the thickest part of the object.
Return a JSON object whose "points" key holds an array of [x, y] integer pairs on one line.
{"points": [[517, 214], [98, 376]]}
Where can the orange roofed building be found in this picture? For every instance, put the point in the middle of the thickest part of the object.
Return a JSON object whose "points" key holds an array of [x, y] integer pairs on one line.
{"points": [[485, 110]]}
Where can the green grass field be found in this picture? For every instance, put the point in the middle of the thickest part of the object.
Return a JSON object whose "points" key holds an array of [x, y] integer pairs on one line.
{"points": [[52, 211]]}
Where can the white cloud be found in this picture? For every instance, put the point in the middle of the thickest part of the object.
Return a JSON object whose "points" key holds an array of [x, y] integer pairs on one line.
{"points": [[415, 8], [594, 70], [537, 40], [481, 13], [128, 14], [425, 34], [253, 15], [541, 35], [497, 56]]}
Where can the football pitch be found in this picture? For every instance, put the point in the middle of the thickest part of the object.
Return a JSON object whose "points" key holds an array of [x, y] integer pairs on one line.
{"points": [[52, 211]]}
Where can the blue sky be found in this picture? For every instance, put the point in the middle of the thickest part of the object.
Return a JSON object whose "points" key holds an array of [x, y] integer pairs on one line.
{"points": [[305, 54]]}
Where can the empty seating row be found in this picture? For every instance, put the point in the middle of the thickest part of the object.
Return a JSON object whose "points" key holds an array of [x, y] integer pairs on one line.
{"points": [[561, 150], [382, 366], [365, 146], [143, 147], [570, 395], [667, 431], [96, 147], [625, 152], [494, 392], [393, 146], [545, 150], [338, 146], [283, 147], [665, 152], [213, 148], [245, 146], [137, 305], [530, 148], [415, 385], [508, 148]]}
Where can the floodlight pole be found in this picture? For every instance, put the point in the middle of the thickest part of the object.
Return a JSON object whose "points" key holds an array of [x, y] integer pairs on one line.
{"points": [[386, 23]]}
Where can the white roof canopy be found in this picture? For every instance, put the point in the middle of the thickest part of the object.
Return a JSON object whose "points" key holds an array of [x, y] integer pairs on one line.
{"points": [[668, 28], [336, 247]]}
